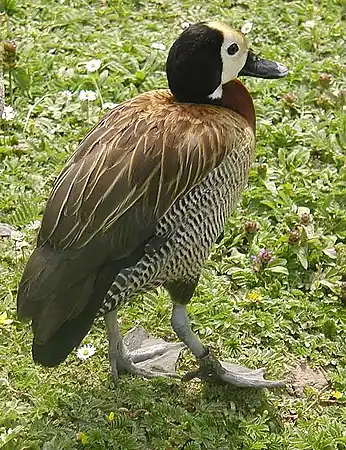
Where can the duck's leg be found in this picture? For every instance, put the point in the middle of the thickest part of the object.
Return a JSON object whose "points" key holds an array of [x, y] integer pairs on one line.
{"points": [[138, 353], [209, 367]]}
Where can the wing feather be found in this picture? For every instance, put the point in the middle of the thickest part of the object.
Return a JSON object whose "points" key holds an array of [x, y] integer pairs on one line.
{"points": [[133, 166], [147, 152]]}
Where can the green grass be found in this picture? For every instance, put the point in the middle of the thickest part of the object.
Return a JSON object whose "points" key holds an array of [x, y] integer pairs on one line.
{"points": [[276, 314]]}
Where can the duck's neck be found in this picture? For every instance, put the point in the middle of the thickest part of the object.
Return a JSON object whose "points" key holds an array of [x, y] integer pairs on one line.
{"points": [[235, 96], [232, 95]]}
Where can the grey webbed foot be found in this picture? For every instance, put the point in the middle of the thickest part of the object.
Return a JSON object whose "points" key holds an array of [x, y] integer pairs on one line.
{"points": [[210, 369], [142, 355], [138, 353]]}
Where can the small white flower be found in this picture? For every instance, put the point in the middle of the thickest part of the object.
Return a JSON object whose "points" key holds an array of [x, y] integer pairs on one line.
{"points": [[21, 244], [87, 95], [185, 25], [34, 225], [8, 113], [69, 73], [67, 95], [158, 46], [85, 351], [4, 437], [109, 105], [17, 235], [93, 65], [309, 24], [247, 27], [63, 72]]}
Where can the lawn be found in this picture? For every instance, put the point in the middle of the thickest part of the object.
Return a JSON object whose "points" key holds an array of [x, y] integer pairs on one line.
{"points": [[281, 314]]}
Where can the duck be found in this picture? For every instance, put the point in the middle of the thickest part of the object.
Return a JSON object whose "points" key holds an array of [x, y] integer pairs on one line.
{"points": [[140, 203]]}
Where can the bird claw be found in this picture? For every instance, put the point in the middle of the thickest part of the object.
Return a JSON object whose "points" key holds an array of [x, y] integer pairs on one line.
{"points": [[210, 369]]}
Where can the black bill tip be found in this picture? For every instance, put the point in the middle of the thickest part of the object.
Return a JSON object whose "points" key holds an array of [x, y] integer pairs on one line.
{"points": [[262, 68]]}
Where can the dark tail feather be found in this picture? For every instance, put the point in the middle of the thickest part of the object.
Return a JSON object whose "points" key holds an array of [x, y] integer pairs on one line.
{"points": [[56, 349]]}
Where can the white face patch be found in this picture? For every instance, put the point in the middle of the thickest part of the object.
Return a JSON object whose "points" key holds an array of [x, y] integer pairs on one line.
{"points": [[231, 64], [217, 93]]}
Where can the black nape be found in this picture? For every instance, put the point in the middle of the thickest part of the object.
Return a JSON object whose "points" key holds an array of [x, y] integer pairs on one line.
{"points": [[194, 64]]}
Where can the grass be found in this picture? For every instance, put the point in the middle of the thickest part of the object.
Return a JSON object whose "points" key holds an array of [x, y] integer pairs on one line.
{"points": [[275, 314]]}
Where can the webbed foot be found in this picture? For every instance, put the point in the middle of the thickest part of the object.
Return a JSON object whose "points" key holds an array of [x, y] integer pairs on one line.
{"points": [[210, 369], [142, 355]]}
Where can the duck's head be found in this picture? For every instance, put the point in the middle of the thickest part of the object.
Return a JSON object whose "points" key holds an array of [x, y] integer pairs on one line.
{"points": [[207, 56]]}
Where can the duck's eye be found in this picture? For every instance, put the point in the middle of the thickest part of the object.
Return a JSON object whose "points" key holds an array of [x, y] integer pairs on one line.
{"points": [[232, 49]]}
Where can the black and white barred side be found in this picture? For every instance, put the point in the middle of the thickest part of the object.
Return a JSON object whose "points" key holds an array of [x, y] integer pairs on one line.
{"points": [[188, 231]]}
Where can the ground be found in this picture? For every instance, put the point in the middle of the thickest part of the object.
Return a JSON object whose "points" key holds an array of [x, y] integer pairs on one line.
{"points": [[273, 292]]}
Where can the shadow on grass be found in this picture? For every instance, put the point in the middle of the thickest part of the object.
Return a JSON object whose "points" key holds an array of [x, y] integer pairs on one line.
{"points": [[165, 414], [78, 406]]}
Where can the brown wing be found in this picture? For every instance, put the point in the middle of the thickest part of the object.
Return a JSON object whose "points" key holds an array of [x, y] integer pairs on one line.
{"points": [[133, 166]]}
